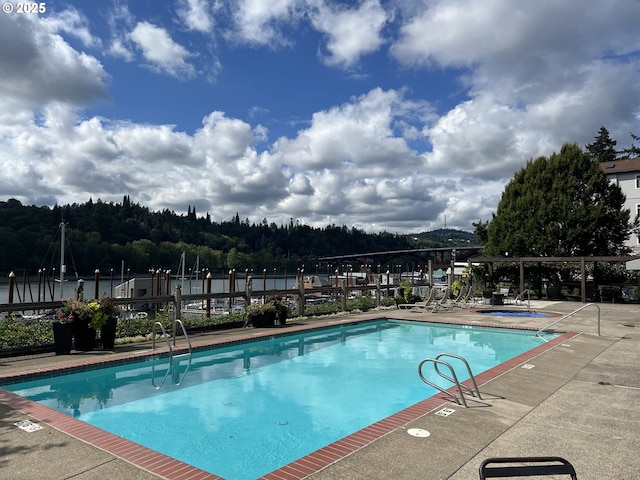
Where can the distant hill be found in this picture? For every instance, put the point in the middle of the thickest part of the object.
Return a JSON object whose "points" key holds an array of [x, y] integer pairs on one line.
{"points": [[444, 237], [103, 236]]}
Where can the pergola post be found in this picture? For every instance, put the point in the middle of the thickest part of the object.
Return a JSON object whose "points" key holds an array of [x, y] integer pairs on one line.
{"points": [[583, 281]]}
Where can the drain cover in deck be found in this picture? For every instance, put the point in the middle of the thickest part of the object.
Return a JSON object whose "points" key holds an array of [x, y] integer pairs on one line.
{"points": [[418, 432], [28, 426], [445, 412]]}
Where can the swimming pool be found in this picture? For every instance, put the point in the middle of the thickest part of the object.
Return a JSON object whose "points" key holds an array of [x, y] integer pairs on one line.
{"points": [[243, 411]]}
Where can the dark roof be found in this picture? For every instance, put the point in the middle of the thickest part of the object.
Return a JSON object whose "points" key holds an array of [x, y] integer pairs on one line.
{"points": [[621, 166]]}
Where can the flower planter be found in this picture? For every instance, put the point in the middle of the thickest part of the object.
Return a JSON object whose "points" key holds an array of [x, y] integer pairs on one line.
{"points": [[62, 337], [88, 316], [108, 333], [84, 336]]}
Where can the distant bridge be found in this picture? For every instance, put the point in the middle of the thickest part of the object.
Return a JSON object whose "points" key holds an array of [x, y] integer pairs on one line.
{"points": [[386, 260]]}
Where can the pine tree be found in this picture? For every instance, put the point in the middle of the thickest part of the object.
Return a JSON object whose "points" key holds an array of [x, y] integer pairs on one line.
{"points": [[603, 148], [633, 151], [563, 205]]}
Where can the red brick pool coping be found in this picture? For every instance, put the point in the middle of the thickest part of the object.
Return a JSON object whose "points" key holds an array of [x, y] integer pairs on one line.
{"points": [[172, 469]]}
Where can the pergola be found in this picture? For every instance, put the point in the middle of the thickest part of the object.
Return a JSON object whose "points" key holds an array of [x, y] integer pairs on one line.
{"points": [[582, 261]]}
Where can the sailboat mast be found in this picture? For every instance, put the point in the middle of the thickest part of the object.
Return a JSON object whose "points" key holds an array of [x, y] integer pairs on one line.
{"points": [[63, 267], [182, 262]]}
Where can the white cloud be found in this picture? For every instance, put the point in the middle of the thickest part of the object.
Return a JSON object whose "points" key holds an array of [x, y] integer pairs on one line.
{"points": [[300, 185], [157, 145], [539, 74], [530, 77], [359, 132], [259, 23], [39, 66], [350, 33], [120, 22], [118, 48], [196, 15], [161, 51], [235, 171], [222, 139], [520, 53], [73, 23]]}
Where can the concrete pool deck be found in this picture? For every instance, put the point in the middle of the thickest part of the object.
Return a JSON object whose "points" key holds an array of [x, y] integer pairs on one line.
{"points": [[579, 399]]}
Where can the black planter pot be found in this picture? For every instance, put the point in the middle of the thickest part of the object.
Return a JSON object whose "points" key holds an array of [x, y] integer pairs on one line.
{"points": [[62, 337], [84, 336], [259, 320], [108, 334], [263, 320]]}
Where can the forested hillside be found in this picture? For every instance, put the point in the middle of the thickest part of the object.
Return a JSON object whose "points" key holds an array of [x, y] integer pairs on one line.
{"points": [[103, 235]]}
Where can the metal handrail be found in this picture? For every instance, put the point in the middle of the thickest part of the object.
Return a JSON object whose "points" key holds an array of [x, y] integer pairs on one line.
{"points": [[519, 297], [184, 331], [166, 337], [570, 314], [175, 379], [466, 364], [180, 377], [439, 388], [166, 374]]}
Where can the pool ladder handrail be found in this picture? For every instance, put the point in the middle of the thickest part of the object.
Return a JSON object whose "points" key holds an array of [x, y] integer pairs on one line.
{"points": [[453, 378], [520, 298], [569, 315], [166, 337], [172, 355], [170, 370]]}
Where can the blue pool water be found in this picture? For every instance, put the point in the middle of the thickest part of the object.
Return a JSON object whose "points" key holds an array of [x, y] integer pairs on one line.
{"points": [[515, 313], [240, 412]]}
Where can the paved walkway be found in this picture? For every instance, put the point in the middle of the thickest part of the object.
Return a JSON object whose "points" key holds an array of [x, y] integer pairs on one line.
{"points": [[579, 400]]}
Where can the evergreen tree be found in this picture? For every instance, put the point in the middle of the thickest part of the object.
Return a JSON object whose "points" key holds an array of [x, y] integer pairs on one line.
{"points": [[481, 232], [603, 148], [563, 205], [633, 151], [102, 235]]}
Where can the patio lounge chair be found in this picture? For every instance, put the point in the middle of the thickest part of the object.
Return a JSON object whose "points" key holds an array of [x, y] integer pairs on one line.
{"points": [[420, 306], [503, 467], [443, 303], [406, 306], [465, 298]]}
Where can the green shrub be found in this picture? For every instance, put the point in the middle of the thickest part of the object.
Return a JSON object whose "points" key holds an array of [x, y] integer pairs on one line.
{"points": [[362, 303], [456, 286], [15, 334]]}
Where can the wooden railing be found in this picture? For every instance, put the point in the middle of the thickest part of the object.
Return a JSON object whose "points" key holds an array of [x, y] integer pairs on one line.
{"points": [[302, 296]]}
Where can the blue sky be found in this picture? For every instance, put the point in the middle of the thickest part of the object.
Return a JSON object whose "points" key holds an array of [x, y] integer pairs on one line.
{"points": [[395, 115]]}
